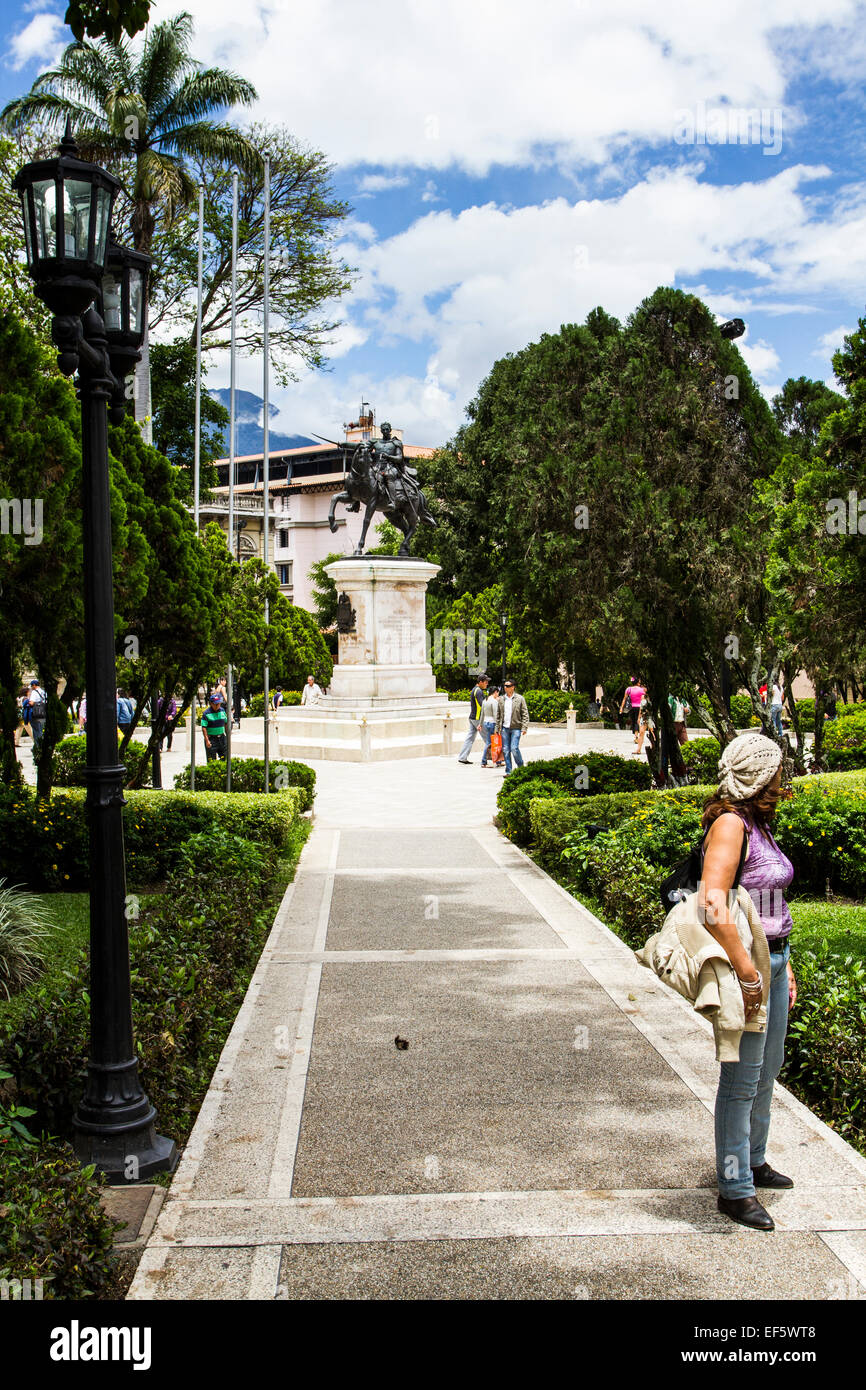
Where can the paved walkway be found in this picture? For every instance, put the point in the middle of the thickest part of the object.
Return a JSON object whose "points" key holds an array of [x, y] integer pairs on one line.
{"points": [[548, 1131]]}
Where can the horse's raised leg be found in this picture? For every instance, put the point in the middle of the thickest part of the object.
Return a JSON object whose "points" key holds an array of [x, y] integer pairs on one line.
{"points": [[368, 517], [338, 497]]}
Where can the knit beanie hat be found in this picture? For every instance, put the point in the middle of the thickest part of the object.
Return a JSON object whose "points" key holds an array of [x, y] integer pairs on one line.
{"points": [[748, 763]]}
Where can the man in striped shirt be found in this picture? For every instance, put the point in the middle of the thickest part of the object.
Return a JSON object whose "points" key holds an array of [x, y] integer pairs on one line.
{"points": [[213, 727]]}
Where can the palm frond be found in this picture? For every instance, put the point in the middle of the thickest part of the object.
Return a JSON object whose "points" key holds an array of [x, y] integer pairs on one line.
{"points": [[208, 140], [165, 58], [203, 93], [161, 180], [48, 108]]}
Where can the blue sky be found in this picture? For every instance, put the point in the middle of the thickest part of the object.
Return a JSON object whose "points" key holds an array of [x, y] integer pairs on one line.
{"points": [[510, 167]]}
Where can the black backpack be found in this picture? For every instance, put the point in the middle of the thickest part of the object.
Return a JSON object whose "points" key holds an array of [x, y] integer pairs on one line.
{"points": [[687, 874]]}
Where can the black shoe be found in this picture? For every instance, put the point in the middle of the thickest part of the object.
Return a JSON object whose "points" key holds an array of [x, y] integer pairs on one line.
{"points": [[464, 762], [748, 1212], [765, 1176]]}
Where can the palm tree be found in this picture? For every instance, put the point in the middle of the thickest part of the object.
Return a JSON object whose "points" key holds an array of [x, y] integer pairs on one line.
{"points": [[142, 111]]}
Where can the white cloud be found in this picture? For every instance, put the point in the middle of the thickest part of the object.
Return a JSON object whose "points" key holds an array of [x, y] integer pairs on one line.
{"points": [[830, 342], [430, 194], [761, 358], [42, 41], [445, 83], [380, 183]]}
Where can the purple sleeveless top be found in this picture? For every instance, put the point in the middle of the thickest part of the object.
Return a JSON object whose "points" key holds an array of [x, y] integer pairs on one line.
{"points": [[766, 874]]}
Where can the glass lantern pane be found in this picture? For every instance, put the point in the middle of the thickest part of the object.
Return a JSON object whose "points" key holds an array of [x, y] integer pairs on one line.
{"points": [[103, 210], [111, 303], [26, 212], [136, 302], [76, 217], [45, 205]]}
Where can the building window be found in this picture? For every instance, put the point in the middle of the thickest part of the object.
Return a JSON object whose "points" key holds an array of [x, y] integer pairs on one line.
{"points": [[283, 540], [285, 573]]}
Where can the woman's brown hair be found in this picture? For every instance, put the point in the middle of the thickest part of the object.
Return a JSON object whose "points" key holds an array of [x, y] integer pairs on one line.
{"points": [[757, 810]]}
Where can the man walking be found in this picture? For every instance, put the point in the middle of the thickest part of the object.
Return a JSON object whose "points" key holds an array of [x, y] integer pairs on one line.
{"points": [[512, 720], [312, 692], [476, 708], [214, 722], [38, 710]]}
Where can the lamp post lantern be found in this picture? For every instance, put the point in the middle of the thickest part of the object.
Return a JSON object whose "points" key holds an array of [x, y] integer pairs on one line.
{"points": [[97, 297]]}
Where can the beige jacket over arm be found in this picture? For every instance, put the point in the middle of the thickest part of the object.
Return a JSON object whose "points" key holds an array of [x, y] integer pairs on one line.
{"points": [[690, 959]]}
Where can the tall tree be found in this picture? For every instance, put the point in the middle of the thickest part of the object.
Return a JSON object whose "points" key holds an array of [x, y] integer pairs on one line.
{"points": [[172, 367], [143, 111], [306, 273]]}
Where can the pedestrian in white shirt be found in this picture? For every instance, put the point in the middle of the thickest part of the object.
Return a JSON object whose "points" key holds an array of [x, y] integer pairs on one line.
{"points": [[777, 697], [311, 693]]}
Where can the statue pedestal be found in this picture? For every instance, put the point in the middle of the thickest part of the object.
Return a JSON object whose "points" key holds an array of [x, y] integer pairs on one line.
{"points": [[382, 663], [382, 701]]}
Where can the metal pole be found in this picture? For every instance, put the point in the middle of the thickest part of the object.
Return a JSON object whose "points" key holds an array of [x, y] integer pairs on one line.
{"points": [[232, 386], [266, 460], [197, 443], [114, 1122]]}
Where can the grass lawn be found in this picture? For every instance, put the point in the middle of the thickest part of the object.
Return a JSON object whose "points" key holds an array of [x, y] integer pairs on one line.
{"points": [[69, 932], [842, 925]]}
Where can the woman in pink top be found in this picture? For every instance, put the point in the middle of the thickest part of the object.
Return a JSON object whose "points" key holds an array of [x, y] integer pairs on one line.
{"points": [[635, 694]]}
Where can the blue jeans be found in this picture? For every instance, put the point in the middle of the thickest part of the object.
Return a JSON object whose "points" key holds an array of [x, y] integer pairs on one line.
{"points": [[746, 1091], [776, 717], [511, 745], [485, 729]]}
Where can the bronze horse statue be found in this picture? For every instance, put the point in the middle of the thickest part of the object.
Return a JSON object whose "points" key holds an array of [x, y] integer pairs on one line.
{"points": [[381, 485]]}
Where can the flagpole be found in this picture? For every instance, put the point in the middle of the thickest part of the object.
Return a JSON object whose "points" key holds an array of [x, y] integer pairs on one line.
{"points": [[196, 467], [232, 379], [266, 461]]}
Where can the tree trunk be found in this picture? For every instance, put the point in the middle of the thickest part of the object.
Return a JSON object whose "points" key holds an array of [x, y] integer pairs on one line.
{"points": [[10, 768], [711, 686], [55, 729], [818, 726]]}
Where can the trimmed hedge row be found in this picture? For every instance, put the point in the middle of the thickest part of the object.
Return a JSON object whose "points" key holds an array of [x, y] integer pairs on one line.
{"points": [[822, 828], [248, 775], [544, 706], [555, 778], [256, 707], [45, 845], [70, 761]]}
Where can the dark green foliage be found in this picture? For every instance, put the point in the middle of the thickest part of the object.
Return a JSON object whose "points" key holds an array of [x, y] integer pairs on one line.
{"points": [[45, 845], [113, 19], [229, 856], [513, 817], [257, 702], [172, 373], [248, 775], [605, 772], [545, 706], [53, 1226], [70, 762], [825, 1056], [845, 742], [823, 833], [701, 757]]}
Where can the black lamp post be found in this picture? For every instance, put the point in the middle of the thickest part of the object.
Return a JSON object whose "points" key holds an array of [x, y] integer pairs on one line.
{"points": [[97, 297], [503, 623]]}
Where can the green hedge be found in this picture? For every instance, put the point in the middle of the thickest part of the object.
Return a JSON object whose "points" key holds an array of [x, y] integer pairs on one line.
{"points": [[555, 778], [44, 845], [53, 1226], [701, 757], [256, 707], [544, 706], [822, 828], [825, 1056], [248, 775], [70, 760], [845, 741]]}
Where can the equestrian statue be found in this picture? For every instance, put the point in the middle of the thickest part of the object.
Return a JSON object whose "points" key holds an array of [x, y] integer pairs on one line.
{"points": [[381, 480]]}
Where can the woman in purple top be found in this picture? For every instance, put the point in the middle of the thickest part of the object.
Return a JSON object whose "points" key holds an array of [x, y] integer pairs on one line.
{"points": [[744, 805]]}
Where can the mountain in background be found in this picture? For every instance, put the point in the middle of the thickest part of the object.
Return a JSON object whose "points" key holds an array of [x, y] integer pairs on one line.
{"points": [[249, 434]]}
